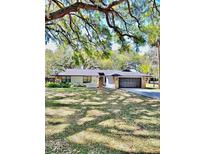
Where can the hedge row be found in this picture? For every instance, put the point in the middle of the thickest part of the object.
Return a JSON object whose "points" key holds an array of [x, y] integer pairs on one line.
{"points": [[61, 85]]}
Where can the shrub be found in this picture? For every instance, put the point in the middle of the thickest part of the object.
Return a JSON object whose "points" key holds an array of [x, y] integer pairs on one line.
{"points": [[65, 85], [52, 84], [57, 85]]}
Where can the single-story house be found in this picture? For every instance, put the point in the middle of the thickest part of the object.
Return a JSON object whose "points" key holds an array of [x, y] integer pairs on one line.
{"points": [[108, 78]]}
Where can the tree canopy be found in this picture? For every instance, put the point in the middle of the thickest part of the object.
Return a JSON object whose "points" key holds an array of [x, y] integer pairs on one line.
{"points": [[98, 24], [61, 59]]}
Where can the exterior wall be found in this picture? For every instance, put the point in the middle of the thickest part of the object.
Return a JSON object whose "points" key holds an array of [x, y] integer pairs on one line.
{"points": [[109, 82], [93, 82], [116, 80], [104, 82], [100, 82], [78, 80], [58, 78], [143, 82]]}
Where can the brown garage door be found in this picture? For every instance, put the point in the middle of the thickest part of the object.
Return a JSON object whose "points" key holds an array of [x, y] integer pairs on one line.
{"points": [[129, 82]]}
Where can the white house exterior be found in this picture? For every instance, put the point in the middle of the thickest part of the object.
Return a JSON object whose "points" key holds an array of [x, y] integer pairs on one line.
{"points": [[110, 82], [111, 78], [78, 80]]}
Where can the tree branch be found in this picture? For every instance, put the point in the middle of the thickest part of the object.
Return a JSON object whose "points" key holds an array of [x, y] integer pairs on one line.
{"points": [[58, 3], [114, 3], [155, 6], [116, 29], [77, 6], [130, 13], [80, 16]]}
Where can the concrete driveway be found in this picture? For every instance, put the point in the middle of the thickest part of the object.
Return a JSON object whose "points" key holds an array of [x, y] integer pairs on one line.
{"points": [[152, 93]]}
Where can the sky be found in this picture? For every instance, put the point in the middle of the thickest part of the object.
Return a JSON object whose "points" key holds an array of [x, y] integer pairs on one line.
{"points": [[51, 45], [143, 49]]}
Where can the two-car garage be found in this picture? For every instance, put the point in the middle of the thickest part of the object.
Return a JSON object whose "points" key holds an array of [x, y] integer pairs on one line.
{"points": [[129, 82]]}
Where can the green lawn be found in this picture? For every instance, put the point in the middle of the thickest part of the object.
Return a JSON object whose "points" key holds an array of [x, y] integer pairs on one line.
{"points": [[80, 120], [152, 86]]}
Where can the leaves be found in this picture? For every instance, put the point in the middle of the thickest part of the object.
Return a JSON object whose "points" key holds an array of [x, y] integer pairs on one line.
{"points": [[144, 68], [80, 29]]}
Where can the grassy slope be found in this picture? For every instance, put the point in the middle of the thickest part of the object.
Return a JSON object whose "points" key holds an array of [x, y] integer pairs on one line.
{"points": [[80, 120]]}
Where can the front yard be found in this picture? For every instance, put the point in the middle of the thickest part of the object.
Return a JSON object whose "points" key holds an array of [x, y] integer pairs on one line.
{"points": [[80, 120]]}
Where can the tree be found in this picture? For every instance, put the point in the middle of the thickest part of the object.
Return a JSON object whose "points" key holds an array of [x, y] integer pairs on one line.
{"points": [[101, 23], [59, 60], [48, 62], [144, 68], [96, 25], [62, 59]]}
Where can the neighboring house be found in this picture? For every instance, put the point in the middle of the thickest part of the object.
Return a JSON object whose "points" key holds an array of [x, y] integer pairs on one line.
{"points": [[109, 78]]}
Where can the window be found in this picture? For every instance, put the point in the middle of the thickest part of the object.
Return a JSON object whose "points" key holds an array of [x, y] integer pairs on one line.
{"points": [[66, 79], [87, 79]]}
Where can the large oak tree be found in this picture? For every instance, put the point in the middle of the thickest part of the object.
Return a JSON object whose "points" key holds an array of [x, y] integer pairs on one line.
{"points": [[101, 23], [98, 24]]}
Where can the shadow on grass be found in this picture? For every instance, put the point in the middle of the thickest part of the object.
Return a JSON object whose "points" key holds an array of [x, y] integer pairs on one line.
{"points": [[88, 149], [117, 107]]}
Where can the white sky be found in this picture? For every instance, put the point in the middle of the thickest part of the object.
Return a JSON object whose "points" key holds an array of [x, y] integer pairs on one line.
{"points": [[51, 46], [143, 49]]}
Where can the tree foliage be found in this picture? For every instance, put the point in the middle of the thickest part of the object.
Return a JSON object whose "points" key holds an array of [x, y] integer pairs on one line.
{"points": [[57, 61], [148, 62], [83, 24], [62, 59]]}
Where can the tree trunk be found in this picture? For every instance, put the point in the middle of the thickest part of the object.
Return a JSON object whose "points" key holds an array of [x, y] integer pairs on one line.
{"points": [[158, 50]]}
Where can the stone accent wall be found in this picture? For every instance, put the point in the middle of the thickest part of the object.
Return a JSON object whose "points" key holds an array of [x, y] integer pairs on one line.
{"points": [[100, 82], [116, 82], [143, 82]]}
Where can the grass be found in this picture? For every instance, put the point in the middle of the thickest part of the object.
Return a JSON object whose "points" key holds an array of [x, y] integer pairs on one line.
{"points": [[81, 120], [151, 86]]}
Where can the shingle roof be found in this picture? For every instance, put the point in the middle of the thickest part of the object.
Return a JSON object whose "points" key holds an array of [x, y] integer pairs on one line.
{"points": [[95, 72]]}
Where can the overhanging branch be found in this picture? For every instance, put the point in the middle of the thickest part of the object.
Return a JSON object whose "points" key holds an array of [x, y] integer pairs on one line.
{"points": [[77, 6]]}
